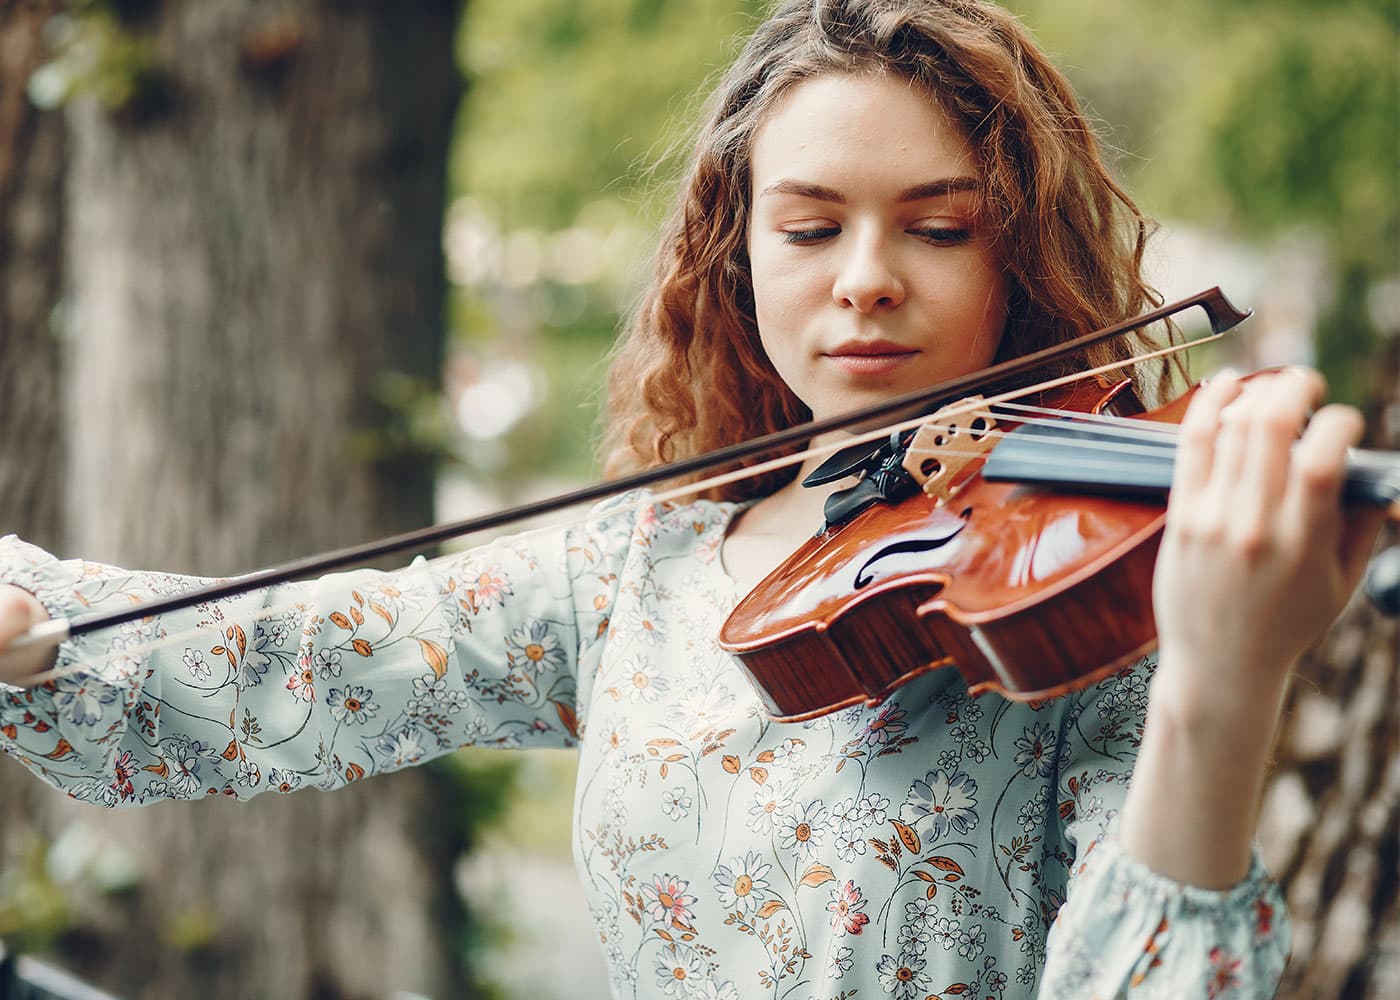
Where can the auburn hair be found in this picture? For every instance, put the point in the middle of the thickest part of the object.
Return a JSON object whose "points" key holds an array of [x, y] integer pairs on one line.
{"points": [[689, 375]]}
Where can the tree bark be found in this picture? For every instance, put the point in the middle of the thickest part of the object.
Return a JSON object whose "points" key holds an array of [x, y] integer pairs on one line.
{"points": [[1330, 825], [31, 271], [253, 241], [31, 218]]}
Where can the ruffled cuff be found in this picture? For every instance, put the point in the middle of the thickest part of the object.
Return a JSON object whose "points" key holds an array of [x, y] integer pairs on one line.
{"points": [[57, 584], [1128, 931]]}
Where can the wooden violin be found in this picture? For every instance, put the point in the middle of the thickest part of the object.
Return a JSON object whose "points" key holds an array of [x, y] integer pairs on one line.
{"points": [[996, 579], [1023, 560]]}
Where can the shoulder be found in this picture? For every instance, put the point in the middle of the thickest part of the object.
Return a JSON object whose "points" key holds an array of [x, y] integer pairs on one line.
{"points": [[649, 520]]}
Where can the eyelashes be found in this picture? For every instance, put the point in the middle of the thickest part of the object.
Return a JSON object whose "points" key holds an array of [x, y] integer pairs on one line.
{"points": [[938, 236], [800, 236], [943, 236]]}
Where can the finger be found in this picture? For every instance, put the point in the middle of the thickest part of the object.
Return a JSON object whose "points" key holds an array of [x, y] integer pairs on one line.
{"points": [[15, 617], [1232, 444], [20, 611], [1275, 409], [1317, 472], [1360, 528], [1318, 461], [1195, 451]]}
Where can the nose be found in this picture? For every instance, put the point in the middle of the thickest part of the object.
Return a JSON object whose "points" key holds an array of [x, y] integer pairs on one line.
{"points": [[867, 279]]}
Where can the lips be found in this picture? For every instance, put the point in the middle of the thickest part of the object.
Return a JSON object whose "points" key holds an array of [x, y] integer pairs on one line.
{"points": [[870, 357], [869, 349]]}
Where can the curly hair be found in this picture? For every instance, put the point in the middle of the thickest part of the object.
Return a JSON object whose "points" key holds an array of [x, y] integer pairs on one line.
{"points": [[690, 375]]}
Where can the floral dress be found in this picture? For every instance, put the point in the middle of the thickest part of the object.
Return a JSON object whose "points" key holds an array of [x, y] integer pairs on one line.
{"points": [[933, 846]]}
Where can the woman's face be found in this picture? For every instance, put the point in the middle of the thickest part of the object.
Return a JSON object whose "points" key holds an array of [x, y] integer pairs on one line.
{"points": [[871, 275]]}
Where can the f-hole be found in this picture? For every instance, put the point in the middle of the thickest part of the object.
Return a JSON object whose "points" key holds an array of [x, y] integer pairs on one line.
{"points": [[864, 576]]}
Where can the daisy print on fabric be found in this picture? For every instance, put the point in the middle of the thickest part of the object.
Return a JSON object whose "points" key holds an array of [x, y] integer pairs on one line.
{"points": [[535, 648], [770, 806], [940, 804], [666, 900], [803, 831], [742, 884], [845, 908]]}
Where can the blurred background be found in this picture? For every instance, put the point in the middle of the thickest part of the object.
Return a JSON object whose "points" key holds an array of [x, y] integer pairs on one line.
{"points": [[282, 276]]}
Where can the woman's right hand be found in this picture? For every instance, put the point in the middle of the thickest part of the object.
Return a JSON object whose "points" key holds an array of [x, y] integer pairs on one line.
{"points": [[19, 611]]}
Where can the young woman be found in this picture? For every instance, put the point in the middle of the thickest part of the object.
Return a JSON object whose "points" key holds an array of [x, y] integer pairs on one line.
{"points": [[885, 195]]}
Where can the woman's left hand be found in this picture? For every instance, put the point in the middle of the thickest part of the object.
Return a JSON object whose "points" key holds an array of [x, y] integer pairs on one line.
{"points": [[1257, 558], [1259, 555]]}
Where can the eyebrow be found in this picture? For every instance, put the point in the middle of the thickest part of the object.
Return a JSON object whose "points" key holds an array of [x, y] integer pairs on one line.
{"points": [[919, 192]]}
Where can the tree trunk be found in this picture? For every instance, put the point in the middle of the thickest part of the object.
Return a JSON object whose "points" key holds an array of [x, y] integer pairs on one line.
{"points": [[253, 242], [31, 217], [1330, 827], [31, 439]]}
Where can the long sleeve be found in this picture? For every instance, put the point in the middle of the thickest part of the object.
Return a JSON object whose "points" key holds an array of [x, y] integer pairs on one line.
{"points": [[313, 684], [1125, 930]]}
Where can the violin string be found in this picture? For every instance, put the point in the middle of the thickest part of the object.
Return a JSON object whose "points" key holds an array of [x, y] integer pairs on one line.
{"points": [[965, 408], [1105, 432], [263, 612], [1127, 426]]}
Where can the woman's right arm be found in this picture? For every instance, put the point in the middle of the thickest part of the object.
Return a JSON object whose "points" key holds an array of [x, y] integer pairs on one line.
{"points": [[312, 684]]}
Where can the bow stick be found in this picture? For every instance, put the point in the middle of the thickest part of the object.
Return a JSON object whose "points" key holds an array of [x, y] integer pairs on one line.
{"points": [[1222, 315]]}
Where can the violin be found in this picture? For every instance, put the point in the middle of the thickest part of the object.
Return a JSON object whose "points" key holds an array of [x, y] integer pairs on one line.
{"points": [[977, 566], [1018, 552]]}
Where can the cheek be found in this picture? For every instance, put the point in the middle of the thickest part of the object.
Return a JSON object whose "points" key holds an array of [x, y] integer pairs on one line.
{"points": [[765, 289], [775, 297], [988, 313], [785, 290], [780, 337]]}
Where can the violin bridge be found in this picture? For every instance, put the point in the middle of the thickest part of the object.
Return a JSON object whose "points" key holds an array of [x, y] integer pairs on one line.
{"points": [[951, 440]]}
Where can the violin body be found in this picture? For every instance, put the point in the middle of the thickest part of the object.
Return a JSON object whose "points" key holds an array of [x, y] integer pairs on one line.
{"points": [[1028, 592]]}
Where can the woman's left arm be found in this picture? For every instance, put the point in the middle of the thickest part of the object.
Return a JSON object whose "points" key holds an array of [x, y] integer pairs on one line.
{"points": [[1258, 558], [1126, 930], [1168, 897]]}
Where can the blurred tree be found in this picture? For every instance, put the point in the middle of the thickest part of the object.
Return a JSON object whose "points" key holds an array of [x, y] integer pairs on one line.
{"points": [[256, 197], [31, 259], [1259, 120], [31, 438]]}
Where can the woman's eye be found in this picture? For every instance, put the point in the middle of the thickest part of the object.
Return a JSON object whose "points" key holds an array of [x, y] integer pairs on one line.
{"points": [[809, 235], [941, 235]]}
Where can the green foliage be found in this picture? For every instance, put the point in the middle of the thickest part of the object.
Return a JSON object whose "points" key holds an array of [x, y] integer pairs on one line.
{"points": [[192, 930], [99, 52], [1257, 118], [572, 102], [413, 424], [54, 886], [35, 910], [477, 789]]}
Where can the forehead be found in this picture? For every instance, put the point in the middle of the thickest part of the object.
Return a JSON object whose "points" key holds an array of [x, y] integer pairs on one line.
{"points": [[864, 132]]}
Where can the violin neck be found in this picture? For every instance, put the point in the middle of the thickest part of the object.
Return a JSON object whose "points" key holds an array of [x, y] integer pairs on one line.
{"points": [[1111, 459]]}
